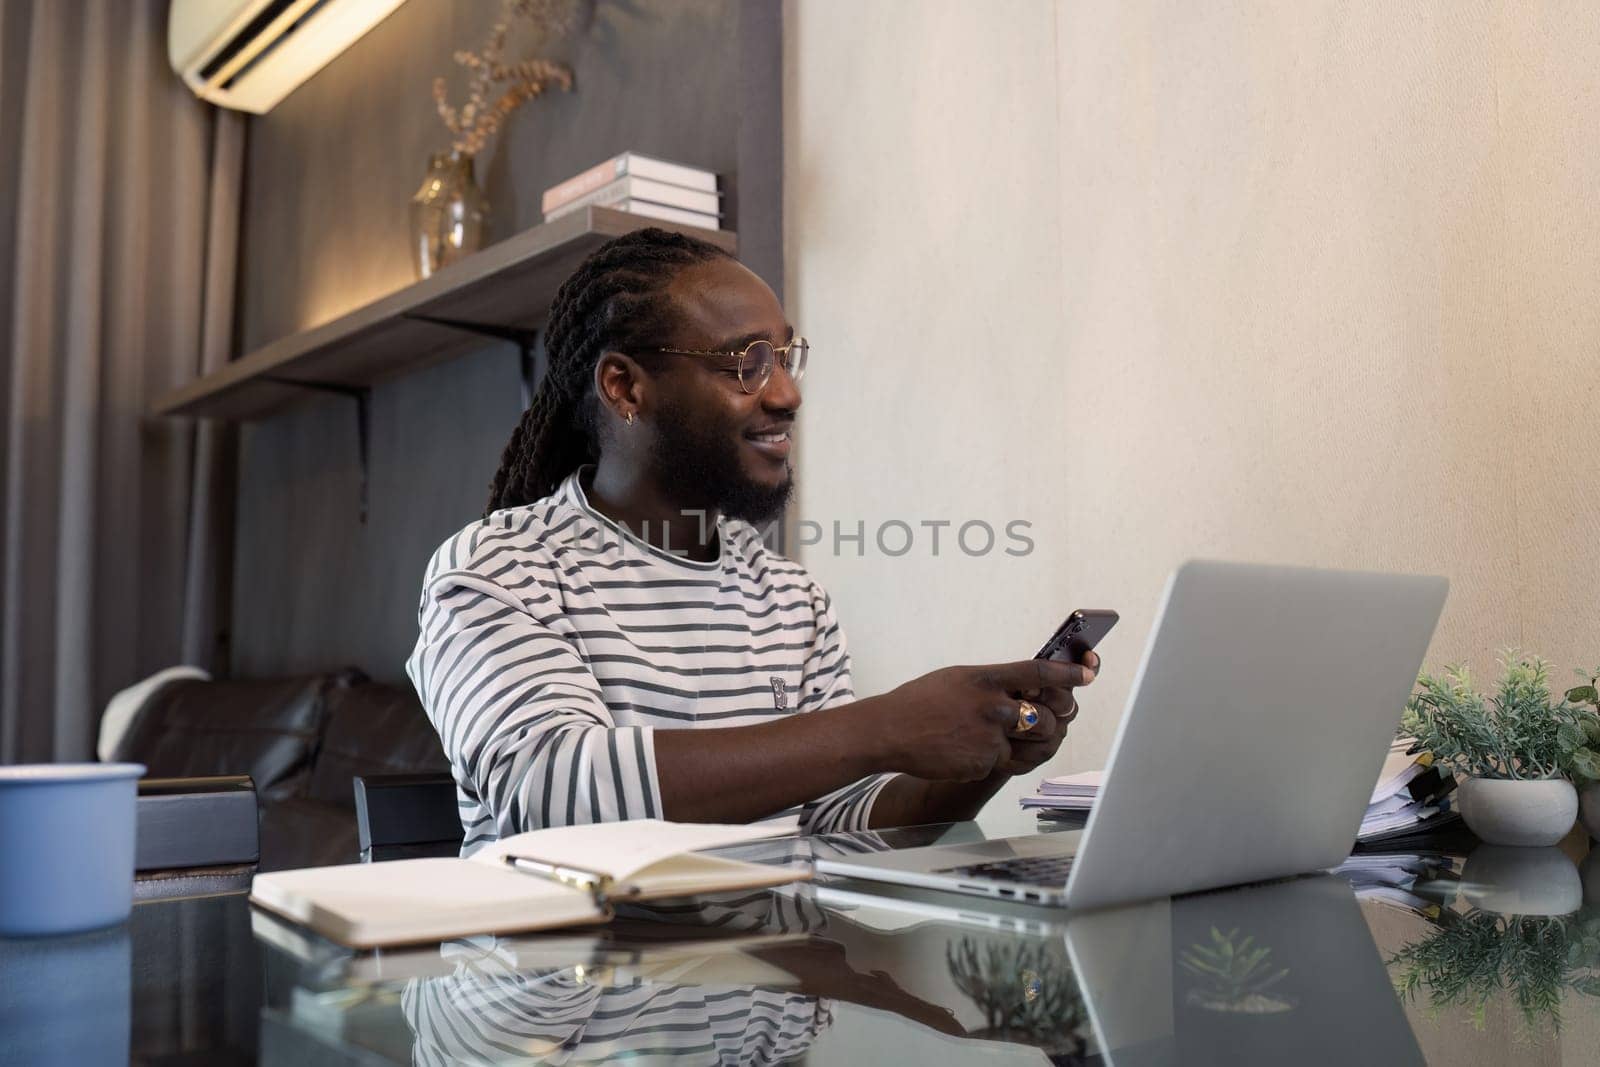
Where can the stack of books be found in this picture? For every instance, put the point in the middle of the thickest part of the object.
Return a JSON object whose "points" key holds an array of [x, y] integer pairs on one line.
{"points": [[1412, 796], [641, 185]]}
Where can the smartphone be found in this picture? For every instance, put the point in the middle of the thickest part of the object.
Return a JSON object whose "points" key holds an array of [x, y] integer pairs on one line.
{"points": [[1082, 630]]}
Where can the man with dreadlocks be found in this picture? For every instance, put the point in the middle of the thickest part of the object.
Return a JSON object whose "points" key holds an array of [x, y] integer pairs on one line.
{"points": [[613, 639]]}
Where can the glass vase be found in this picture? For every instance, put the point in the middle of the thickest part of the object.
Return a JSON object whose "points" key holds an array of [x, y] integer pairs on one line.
{"points": [[447, 214]]}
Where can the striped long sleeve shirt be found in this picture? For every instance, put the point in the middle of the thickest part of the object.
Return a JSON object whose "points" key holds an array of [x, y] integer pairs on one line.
{"points": [[554, 644]]}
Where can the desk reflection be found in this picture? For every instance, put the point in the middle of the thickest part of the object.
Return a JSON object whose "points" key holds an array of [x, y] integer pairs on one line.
{"points": [[738, 978], [480, 1016], [1243, 977], [1287, 971], [1268, 974], [1525, 925]]}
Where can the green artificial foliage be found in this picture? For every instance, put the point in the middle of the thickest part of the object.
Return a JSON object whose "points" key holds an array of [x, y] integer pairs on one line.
{"points": [[1519, 732], [1589, 694]]}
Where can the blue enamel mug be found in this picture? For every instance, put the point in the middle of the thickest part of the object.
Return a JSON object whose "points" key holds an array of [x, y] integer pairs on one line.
{"points": [[66, 846]]}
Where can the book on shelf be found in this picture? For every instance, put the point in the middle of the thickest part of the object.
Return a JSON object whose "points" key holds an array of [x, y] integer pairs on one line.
{"points": [[544, 879], [645, 191], [657, 211], [628, 164]]}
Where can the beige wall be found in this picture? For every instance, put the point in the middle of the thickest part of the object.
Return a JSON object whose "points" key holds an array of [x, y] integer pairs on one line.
{"points": [[924, 261], [1307, 283]]}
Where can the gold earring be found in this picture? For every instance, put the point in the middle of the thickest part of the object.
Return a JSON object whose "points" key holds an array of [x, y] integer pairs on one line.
{"points": [[628, 418]]}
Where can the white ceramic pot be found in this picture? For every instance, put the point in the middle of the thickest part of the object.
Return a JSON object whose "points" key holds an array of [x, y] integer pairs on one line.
{"points": [[1521, 881], [1504, 812], [1589, 809]]}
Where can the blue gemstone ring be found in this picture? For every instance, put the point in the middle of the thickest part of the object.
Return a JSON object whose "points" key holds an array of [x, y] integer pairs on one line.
{"points": [[1027, 717]]}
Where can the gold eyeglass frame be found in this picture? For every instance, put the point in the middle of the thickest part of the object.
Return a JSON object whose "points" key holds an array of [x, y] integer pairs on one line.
{"points": [[780, 356]]}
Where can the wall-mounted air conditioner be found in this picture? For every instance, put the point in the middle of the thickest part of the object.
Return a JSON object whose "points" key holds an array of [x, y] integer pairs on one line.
{"points": [[250, 54]]}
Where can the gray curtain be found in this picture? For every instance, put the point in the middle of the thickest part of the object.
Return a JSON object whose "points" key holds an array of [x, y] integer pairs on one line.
{"points": [[118, 222]]}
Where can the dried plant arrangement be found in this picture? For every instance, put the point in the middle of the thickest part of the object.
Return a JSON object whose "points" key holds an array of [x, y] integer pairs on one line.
{"points": [[496, 88]]}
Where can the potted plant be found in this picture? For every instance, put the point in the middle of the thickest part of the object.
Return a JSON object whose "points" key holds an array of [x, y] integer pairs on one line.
{"points": [[1588, 783], [1518, 750]]}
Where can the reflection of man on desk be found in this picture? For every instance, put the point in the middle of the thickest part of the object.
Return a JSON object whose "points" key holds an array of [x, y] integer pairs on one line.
{"points": [[760, 997], [614, 640], [481, 1017]]}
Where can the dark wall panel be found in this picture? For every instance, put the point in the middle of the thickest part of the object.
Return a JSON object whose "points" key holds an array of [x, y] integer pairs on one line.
{"points": [[329, 175]]}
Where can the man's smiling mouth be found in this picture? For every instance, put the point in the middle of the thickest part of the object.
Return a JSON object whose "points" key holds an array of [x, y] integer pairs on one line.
{"points": [[771, 441]]}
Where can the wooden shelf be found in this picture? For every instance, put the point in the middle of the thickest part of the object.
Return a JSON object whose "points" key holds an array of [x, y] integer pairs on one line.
{"points": [[507, 285]]}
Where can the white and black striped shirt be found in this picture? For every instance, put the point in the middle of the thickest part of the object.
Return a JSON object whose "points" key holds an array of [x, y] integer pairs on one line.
{"points": [[554, 643]]}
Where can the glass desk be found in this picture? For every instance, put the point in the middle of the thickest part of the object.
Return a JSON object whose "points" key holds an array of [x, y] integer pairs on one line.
{"points": [[1496, 953]]}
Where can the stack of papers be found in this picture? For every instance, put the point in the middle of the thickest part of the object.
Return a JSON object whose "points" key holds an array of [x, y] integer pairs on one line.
{"points": [[1070, 792], [1412, 796]]}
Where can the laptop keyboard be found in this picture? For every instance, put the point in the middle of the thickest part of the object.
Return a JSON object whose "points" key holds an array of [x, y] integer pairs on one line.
{"points": [[1026, 870]]}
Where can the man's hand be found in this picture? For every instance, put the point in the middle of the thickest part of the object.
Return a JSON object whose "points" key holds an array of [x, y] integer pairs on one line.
{"points": [[956, 724], [1058, 706]]}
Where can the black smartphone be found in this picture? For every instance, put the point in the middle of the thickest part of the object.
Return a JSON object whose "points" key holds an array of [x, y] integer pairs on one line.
{"points": [[1082, 630]]}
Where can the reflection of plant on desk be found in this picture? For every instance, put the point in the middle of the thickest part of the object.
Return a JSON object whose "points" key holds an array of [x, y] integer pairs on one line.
{"points": [[1467, 957], [1235, 975], [1025, 992]]}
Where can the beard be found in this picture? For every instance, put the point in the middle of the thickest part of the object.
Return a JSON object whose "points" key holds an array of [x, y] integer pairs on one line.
{"points": [[699, 464]]}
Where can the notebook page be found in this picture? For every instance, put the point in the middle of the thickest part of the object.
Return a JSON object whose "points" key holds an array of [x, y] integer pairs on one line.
{"points": [[621, 849], [401, 901]]}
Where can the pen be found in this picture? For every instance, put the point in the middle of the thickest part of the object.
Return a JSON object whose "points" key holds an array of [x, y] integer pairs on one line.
{"points": [[594, 883]]}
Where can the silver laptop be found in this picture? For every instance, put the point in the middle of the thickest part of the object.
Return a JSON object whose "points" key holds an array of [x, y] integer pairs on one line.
{"points": [[1257, 724]]}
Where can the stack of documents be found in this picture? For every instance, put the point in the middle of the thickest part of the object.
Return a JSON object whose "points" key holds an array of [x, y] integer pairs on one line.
{"points": [[1412, 796], [1069, 792]]}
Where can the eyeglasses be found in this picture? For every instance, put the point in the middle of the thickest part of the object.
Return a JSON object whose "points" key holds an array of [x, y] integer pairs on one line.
{"points": [[753, 366]]}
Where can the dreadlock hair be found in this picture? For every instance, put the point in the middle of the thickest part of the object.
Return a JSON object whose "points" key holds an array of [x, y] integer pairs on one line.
{"points": [[615, 301]]}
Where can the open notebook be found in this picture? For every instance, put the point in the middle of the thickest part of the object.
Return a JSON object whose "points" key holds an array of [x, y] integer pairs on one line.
{"points": [[567, 876]]}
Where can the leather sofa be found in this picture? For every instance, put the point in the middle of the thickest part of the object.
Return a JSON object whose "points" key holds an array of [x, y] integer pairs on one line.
{"points": [[302, 740]]}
